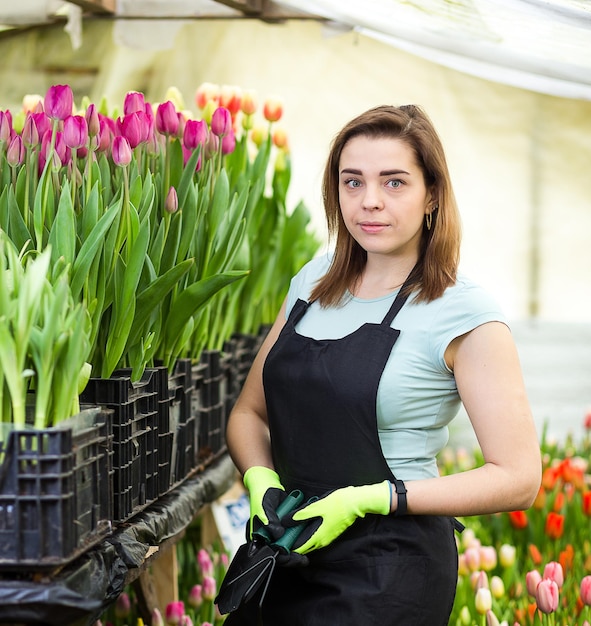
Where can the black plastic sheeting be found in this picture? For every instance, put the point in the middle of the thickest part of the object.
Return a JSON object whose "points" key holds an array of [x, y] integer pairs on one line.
{"points": [[84, 589]]}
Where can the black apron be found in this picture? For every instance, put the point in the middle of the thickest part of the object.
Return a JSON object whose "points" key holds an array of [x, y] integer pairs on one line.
{"points": [[386, 570]]}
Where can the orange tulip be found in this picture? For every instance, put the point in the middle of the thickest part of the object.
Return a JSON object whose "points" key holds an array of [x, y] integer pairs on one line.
{"points": [[540, 500], [566, 557], [558, 502], [273, 109], [554, 525], [535, 554]]}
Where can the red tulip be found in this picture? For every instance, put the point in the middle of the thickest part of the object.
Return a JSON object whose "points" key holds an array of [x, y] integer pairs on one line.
{"points": [[587, 420], [518, 519], [75, 131], [15, 154], [230, 98], [587, 503], [586, 590], [59, 102], [554, 525], [167, 121], [195, 133], [547, 596], [121, 151], [221, 122]]}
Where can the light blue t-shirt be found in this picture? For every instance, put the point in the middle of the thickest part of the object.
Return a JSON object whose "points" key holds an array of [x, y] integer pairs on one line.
{"points": [[417, 395]]}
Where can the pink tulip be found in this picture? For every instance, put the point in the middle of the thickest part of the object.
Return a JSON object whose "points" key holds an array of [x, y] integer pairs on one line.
{"points": [[491, 619], [92, 119], [171, 204], [174, 612], [221, 122], [547, 596], [472, 558], [532, 580], [586, 590], [205, 563], [195, 133], [122, 606], [553, 571], [5, 126], [75, 131], [121, 151], [209, 588], [167, 121], [195, 598], [187, 155], [42, 122], [105, 135], [211, 145], [130, 127], [134, 101], [15, 154], [229, 143], [186, 621], [30, 133], [59, 102], [157, 618]]}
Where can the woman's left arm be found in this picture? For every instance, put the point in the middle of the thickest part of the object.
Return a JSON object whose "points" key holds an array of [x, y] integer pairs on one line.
{"points": [[490, 383]]}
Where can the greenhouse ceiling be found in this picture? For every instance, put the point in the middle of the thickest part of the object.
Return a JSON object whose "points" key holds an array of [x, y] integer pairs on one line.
{"points": [[541, 45]]}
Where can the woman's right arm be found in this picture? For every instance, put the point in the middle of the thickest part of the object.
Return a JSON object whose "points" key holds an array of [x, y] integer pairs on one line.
{"points": [[247, 432]]}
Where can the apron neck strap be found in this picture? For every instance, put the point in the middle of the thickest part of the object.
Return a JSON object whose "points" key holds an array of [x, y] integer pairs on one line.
{"points": [[399, 301]]}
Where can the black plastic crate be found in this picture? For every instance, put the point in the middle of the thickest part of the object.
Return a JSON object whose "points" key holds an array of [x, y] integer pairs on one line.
{"points": [[135, 436], [55, 491]]}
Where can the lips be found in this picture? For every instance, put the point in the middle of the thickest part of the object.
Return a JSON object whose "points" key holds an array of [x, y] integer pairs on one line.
{"points": [[372, 227]]}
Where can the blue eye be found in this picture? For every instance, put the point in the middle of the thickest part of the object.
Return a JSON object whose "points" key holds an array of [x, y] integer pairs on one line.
{"points": [[395, 183], [353, 183]]}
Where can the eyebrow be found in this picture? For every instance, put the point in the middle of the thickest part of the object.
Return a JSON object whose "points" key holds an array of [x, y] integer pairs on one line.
{"points": [[382, 173]]}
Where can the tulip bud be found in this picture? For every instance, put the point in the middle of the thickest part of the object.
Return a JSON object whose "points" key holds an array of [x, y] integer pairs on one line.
{"points": [[472, 558], [553, 571], [130, 127], [92, 119], [210, 107], [134, 101], [229, 143], [174, 612], [59, 102], [507, 555], [205, 563], [75, 131], [230, 98], [15, 154], [167, 120], [195, 134], [122, 606], [488, 558], [211, 146], [532, 580], [121, 151], [259, 136], [5, 127], [30, 133], [586, 590], [171, 205], [483, 601], [209, 588], [280, 137], [206, 92], [273, 109], [186, 621], [491, 619], [465, 618], [221, 122], [497, 587], [157, 618], [31, 102], [249, 104], [195, 596], [547, 596]]}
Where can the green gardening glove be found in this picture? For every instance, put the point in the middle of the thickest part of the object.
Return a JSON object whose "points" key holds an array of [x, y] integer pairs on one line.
{"points": [[335, 512], [266, 494]]}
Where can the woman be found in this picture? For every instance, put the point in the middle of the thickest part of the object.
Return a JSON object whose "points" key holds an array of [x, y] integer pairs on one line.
{"points": [[350, 396]]}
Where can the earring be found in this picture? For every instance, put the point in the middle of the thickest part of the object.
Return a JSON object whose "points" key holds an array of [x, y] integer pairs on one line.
{"points": [[429, 220]]}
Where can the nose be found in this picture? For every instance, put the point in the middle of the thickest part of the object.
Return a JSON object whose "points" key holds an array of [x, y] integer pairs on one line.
{"points": [[372, 199]]}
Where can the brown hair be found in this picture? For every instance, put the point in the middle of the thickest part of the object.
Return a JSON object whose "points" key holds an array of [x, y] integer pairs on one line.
{"points": [[439, 251]]}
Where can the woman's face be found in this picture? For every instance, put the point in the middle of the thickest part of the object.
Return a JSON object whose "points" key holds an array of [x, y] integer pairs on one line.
{"points": [[382, 195]]}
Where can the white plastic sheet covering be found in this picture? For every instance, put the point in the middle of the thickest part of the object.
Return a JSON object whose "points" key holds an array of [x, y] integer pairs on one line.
{"points": [[542, 45]]}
